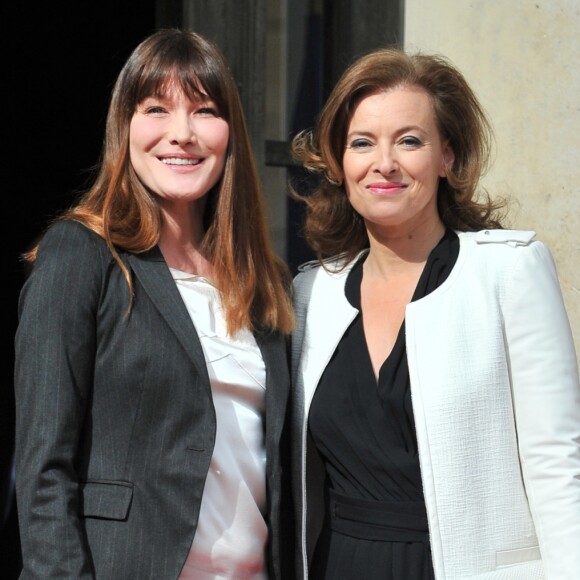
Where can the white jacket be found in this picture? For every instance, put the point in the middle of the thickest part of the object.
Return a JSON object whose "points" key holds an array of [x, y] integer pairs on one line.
{"points": [[496, 400]]}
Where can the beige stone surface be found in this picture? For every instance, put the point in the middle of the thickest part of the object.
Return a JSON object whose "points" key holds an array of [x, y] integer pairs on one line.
{"points": [[523, 60]]}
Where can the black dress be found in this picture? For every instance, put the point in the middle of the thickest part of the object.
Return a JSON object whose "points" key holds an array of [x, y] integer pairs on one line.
{"points": [[376, 522]]}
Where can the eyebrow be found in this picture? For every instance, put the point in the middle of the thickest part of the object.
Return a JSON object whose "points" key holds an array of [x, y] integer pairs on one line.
{"points": [[169, 96], [367, 133]]}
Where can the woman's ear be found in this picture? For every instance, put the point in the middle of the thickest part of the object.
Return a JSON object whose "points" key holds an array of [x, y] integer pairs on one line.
{"points": [[448, 159]]}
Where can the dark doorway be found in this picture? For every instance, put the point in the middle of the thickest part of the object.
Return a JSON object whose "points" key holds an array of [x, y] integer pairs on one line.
{"points": [[62, 61], [332, 34]]}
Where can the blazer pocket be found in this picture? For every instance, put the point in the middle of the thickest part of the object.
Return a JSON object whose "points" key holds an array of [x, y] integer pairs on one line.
{"points": [[110, 500], [513, 557]]}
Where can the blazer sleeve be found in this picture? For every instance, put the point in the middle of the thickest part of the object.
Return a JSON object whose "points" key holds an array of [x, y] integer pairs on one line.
{"points": [[546, 396], [55, 351]]}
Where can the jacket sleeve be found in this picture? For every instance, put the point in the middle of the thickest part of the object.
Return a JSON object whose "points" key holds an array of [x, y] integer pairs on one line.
{"points": [[546, 396], [55, 351]]}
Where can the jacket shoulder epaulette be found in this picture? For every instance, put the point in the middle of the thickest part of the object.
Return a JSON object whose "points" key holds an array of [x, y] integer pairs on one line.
{"points": [[512, 237], [332, 263]]}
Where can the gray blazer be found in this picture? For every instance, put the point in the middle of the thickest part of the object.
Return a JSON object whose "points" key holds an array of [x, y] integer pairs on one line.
{"points": [[115, 424]]}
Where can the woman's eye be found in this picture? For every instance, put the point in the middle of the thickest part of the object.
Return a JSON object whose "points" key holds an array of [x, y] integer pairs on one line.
{"points": [[359, 144], [154, 110], [207, 110], [410, 141]]}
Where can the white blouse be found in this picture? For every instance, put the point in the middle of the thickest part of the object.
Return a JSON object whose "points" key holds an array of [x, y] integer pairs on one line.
{"points": [[231, 533]]}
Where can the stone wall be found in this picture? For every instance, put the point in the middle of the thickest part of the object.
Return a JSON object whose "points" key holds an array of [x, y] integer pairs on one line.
{"points": [[523, 59]]}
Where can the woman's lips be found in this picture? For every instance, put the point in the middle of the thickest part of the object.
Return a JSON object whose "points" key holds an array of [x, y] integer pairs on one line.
{"points": [[386, 188]]}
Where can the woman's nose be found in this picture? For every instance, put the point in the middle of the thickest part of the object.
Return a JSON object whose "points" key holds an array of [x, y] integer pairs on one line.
{"points": [[386, 161], [181, 129]]}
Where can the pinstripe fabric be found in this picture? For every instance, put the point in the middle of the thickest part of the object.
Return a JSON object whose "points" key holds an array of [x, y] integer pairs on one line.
{"points": [[115, 421]]}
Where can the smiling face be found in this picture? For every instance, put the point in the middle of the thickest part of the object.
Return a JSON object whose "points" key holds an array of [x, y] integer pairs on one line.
{"points": [[393, 160], [177, 146]]}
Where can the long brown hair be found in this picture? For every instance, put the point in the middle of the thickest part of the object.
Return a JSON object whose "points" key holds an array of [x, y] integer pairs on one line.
{"points": [[252, 280], [332, 226]]}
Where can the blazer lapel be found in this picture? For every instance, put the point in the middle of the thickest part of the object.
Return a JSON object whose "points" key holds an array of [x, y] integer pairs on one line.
{"points": [[275, 355], [329, 315], [154, 275]]}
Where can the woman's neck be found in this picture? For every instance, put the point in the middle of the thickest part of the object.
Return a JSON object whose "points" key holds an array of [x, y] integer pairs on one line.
{"points": [[181, 244], [392, 252]]}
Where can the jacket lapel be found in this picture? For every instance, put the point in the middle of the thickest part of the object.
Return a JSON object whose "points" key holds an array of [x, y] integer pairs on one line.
{"points": [[329, 315], [274, 352], [153, 274]]}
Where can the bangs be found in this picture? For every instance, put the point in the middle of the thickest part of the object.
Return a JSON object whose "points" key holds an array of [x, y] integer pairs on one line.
{"points": [[180, 67]]}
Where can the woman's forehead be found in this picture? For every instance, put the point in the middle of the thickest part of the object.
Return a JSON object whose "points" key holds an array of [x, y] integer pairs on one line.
{"points": [[173, 85]]}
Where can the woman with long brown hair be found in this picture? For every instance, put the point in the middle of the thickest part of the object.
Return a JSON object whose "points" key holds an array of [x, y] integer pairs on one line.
{"points": [[151, 374]]}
